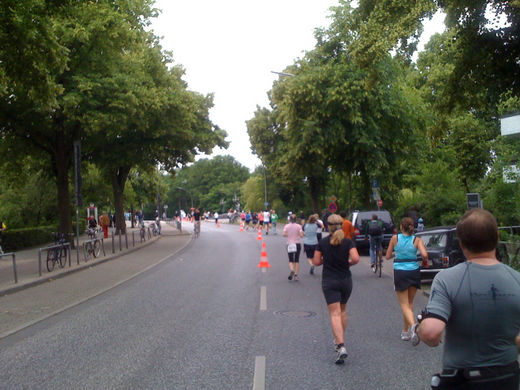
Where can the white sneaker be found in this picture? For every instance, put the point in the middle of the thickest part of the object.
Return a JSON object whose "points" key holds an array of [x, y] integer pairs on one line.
{"points": [[342, 355], [414, 337], [405, 336]]}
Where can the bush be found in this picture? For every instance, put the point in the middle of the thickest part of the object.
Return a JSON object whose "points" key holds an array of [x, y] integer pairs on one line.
{"points": [[16, 239]]}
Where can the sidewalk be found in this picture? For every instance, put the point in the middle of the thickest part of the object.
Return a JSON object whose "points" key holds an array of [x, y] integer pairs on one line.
{"points": [[36, 299], [28, 268]]}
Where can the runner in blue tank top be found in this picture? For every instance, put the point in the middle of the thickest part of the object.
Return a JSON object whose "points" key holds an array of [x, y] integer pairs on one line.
{"points": [[407, 275]]}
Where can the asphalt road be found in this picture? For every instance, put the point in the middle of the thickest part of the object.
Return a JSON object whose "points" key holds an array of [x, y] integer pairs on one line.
{"points": [[209, 318]]}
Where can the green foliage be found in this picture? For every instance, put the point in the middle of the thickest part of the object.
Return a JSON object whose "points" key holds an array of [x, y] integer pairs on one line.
{"points": [[16, 239], [211, 184]]}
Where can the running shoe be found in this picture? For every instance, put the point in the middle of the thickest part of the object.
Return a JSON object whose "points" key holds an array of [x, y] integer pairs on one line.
{"points": [[296, 278], [405, 336], [312, 270], [414, 337], [373, 267], [342, 355], [291, 275]]}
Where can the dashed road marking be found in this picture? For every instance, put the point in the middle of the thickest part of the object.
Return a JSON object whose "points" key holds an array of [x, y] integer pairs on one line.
{"points": [[259, 378], [263, 298]]}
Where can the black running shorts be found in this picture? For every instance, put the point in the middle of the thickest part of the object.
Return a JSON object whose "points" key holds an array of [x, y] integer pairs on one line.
{"points": [[405, 279], [337, 290], [309, 250]]}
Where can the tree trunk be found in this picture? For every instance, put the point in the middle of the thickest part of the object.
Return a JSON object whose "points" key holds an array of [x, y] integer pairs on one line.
{"points": [[118, 178], [314, 193], [62, 164], [367, 189]]}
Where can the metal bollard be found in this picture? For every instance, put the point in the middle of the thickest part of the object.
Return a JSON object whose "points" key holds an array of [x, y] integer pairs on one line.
{"points": [[14, 268], [40, 262], [120, 246], [113, 243], [126, 240], [133, 239]]}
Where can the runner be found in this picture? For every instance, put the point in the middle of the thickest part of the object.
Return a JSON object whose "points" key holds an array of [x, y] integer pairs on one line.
{"points": [[274, 220], [337, 254], [248, 219], [267, 220], [310, 240], [294, 233]]}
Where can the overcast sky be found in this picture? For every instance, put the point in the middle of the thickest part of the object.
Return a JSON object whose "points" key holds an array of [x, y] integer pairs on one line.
{"points": [[230, 47]]}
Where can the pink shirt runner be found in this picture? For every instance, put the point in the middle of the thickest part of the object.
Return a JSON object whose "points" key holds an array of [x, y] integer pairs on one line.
{"points": [[293, 233]]}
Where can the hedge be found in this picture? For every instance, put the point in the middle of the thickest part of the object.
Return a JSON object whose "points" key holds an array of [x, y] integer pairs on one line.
{"points": [[16, 239]]}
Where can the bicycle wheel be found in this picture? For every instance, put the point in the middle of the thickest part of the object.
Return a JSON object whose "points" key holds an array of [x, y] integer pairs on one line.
{"points": [[380, 265], [141, 235], [50, 259], [87, 250], [97, 248], [62, 256]]}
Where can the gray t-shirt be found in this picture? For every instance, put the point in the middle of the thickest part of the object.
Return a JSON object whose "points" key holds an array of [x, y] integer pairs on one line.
{"points": [[311, 231], [481, 306]]}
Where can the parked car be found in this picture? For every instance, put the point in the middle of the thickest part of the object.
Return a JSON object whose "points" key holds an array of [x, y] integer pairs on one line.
{"points": [[359, 220], [442, 245], [444, 251]]}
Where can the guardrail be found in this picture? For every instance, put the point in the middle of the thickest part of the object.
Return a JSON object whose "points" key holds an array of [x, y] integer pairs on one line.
{"points": [[13, 255], [66, 244]]}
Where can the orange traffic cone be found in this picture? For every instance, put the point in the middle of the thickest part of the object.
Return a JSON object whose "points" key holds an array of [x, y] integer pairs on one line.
{"points": [[218, 223], [263, 258], [241, 226], [259, 237]]}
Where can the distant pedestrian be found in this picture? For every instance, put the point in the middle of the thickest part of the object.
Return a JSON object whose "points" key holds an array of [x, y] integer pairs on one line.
{"points": [[293, 231], [248, 219], [267, 220], [407, 274], [216, 217], [274, 220], [321, 226], [104, 221], [337, 254], [420, 225], [310, 240]]}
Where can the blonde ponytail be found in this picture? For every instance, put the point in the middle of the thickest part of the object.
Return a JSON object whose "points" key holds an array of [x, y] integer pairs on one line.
{"points": [[337, 237]]}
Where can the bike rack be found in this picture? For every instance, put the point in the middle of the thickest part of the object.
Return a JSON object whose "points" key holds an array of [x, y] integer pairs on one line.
{"points": [[13, 255], [66, 244]]}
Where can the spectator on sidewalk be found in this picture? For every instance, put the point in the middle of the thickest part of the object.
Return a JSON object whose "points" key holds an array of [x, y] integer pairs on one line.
{"points": [[104, 221]]}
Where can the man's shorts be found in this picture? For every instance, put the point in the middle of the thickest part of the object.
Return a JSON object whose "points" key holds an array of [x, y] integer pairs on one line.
{"points": [[261, 223], [337, 290], [309, 250]]}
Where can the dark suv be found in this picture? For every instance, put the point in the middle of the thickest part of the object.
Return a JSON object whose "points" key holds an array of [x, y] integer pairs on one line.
{"points": [[359, 220], [442, 245]]}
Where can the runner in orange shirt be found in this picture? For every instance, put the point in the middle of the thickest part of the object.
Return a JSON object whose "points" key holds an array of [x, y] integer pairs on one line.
{"points": [[347, 227]]}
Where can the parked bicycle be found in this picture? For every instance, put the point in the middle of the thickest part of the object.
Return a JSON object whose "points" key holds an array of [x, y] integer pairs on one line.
{"points": [[92, 248], [142, 232], [58, 253]]}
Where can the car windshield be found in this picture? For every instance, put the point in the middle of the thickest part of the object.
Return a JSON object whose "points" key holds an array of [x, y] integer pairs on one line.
{"points": [[434, 240]]}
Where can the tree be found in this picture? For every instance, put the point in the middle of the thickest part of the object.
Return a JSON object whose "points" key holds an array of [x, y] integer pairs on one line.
{"points": [[40, 103]]}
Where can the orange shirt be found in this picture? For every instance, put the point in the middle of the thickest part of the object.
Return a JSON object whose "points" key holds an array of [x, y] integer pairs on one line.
{"points": [[348, 229]]}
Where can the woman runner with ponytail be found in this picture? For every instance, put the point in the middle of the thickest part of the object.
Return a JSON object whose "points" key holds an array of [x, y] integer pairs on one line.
{"points": [[337, 254]]}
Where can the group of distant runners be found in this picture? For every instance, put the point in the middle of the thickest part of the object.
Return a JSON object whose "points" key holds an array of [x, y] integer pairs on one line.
{"points": [[266, 219]]}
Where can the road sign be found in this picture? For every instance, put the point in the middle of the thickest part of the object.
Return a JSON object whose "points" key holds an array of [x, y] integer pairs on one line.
{"points": [[379, 203], [266, 204], [333, 207], [375, 183]]}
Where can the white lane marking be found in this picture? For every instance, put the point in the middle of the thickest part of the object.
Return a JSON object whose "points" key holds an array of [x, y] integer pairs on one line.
{"points": [[263, 298], [259, 378]]}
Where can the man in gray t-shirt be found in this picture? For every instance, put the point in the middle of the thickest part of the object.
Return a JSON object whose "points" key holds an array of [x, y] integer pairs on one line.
{"points": [[481, 307], [477, 303]]}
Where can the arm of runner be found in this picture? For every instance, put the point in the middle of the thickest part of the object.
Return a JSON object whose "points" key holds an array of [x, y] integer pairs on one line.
{"points": [[430, 331], [318, 259], [391, 245], [353, 256], [422, 249]]}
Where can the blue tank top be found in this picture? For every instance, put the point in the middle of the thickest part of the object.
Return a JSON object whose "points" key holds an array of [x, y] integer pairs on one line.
{"points": [[404, 251]]}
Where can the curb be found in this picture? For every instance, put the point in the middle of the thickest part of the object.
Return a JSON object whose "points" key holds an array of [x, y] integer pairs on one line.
{"points": [[81, 267]]}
